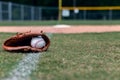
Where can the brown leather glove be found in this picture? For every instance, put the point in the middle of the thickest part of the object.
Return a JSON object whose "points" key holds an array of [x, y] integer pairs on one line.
{"points": [[21, 42]]}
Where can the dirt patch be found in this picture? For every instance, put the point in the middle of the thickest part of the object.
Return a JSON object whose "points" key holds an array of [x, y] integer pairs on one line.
{"points": [[51, 29]]}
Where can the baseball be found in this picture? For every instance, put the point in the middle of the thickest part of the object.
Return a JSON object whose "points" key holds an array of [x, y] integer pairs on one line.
{"points": [[38, 42]]}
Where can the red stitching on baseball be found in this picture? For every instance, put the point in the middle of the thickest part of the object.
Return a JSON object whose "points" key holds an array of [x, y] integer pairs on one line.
{"points": [[37, 43]]}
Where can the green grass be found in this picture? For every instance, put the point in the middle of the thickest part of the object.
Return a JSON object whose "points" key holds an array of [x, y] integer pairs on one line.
{"points": [[7, 59], [88, 56], [68, 22], [91, 56]]}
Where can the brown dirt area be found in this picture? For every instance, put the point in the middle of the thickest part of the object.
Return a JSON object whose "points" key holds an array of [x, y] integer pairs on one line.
{"points": [[72, 29]]}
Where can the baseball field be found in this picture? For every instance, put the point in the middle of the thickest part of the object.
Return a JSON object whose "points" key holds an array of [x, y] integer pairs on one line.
{"points": [[89, 51]]}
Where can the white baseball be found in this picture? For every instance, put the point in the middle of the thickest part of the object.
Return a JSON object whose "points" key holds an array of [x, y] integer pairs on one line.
{"points": [[38, 42]]}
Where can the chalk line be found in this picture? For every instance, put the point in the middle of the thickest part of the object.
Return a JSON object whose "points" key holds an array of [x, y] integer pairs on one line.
{"points": [[25, 66]]}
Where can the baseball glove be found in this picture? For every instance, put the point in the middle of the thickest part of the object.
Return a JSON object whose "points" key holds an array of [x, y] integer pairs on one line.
{"points": [[21, 42]]}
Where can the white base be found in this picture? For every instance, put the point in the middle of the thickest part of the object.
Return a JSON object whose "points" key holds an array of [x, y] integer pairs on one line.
{"points": [[62, 26]]}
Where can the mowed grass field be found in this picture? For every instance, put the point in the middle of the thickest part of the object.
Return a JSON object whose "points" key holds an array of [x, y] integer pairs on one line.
{"points": [[68, 22], [7, 60], [87, 56]]}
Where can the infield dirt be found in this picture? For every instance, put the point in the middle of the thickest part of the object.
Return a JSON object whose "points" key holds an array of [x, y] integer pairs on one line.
{"points": [[72, 29]]}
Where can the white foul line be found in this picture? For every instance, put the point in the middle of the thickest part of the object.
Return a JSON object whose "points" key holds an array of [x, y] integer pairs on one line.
{"points": [[24, 67]]}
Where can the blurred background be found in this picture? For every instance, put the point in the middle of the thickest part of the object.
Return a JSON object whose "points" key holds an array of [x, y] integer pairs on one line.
{"points": [[59, 10]]}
